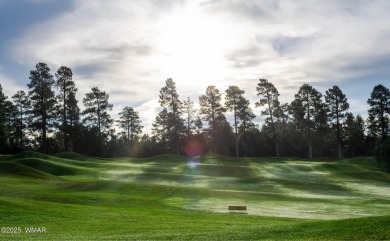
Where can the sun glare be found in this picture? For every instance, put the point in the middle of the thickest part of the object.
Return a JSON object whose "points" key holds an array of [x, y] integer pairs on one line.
{"points": [[192, 44]]}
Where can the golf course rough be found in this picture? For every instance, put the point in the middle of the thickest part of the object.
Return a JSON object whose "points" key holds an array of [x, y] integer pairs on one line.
{"points": [[76, 197]]}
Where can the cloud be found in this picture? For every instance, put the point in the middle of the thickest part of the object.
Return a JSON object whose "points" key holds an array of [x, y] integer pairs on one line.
{"points": [[10, 86], [148, 111], [129, 48]]}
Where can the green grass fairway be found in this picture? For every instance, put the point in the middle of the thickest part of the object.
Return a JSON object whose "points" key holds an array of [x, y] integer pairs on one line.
{"points": [[76, 197]]}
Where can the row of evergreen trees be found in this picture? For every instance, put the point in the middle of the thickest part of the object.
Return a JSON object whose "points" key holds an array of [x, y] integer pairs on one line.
{"points": [[50, 121], [48, 118]]}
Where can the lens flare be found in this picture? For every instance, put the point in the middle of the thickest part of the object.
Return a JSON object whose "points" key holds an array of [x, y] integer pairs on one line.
{"points": [[192, 164], [194, 148]]}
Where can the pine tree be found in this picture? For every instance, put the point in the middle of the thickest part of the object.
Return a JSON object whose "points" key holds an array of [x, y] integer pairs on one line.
{"points": [[42, 102], [160, 128], [3, 100], [96, 112], [338, 106], [269, 97], [169, 99], [354, 134], [379, 113], [305, 109], [245, 114], [210, 109], [224, 134], [189, 116], [73, 117], [233, 102], [130, 122], [67, 89], [10, 117], [22, 104]]}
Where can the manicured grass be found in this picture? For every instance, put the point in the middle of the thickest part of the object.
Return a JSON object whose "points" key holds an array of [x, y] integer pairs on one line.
{"points": [[77, 197]]}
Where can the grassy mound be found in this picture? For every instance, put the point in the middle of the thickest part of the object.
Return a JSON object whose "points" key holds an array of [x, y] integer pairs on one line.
{"points": [[49, 167], [78, 157], [363, 161], [72, 156], [28, 154], [176, 197], [16, 169]]}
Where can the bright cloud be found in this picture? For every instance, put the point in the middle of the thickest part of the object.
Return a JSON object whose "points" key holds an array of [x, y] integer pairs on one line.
{"points": [[129, 48]]}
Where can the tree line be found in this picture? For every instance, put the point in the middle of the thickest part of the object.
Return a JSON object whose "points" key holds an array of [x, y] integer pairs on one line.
{"points": [[47, 118]]}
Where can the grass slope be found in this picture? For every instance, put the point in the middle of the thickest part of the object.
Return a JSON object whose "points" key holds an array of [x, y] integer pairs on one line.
{"points": [[171, 197], [18, 170]]}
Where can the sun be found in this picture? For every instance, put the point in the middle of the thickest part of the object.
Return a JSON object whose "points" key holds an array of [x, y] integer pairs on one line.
{"points": [[193, 46]]}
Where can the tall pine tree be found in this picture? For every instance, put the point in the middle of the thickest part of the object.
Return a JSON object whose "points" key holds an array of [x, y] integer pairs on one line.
{"points": [[96, 113], [67, 90], [338, 106], [245, 114], [379, 112], [211, 110], [22, 104], [3, 100], [269, 97], [305, 109], [130, 122], [189, 117], [234, 102], [42, 102], [169, 99]]}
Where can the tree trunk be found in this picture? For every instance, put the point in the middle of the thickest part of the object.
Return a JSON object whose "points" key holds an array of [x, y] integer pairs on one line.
{"points": [[71, 135], [383, 125], [188, 126], [43, 114], [214, 141], [310, 156], [235, 130], [244, 139], [44, 134], [339, 150], [99, 130], [277, 149], [21, 127], [128, 131], [64, 124]]}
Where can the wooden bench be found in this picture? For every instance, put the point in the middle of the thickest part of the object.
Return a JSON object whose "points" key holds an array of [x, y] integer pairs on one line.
{"points": [[234, 208]]}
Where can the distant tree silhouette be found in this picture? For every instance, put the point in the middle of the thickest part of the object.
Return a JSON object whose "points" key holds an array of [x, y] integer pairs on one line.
{"points": [[10, 117], [269, 97], [189, 115], [68, 90], [42, 102], [224, 135], [379, 111], [338, 106], [354, 129], [245, 115], [210, 110], [50, 122], [3, 99], [169, 99], [130, 122], [73, 116], [305, 109], [234, 102], [96, 112], [22, 104], [160, 128]]}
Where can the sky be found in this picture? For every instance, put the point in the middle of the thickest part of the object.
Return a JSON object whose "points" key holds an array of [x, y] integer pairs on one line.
{"points": [[129, 48]]}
